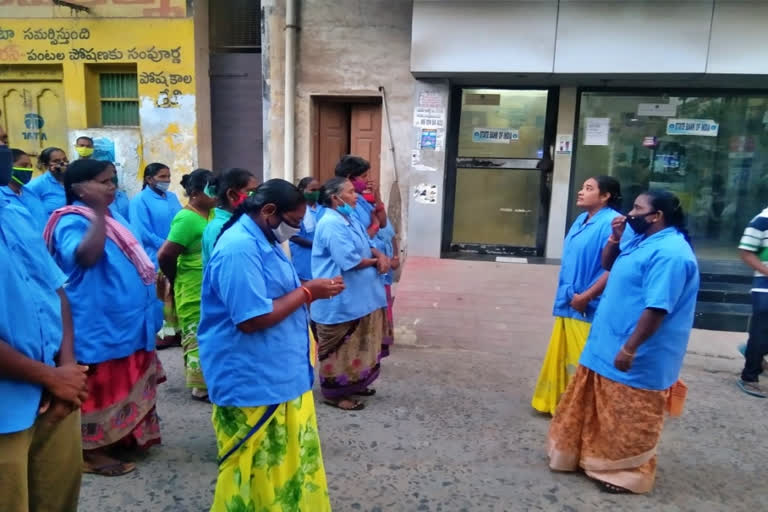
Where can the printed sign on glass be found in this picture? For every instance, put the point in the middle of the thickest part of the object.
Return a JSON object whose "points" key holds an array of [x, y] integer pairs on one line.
{"points": [[699, 127], [495, 135]]}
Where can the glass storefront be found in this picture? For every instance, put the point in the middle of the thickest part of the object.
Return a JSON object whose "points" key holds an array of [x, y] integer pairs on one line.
{"points": [[709, 149]]}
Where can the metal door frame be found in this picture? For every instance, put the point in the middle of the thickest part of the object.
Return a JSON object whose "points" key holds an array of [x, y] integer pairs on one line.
{"points": [[447, 247]]}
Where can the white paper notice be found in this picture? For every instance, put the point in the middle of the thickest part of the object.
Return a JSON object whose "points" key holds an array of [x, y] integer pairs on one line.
{"points": [[564, 144], [596, 131]]}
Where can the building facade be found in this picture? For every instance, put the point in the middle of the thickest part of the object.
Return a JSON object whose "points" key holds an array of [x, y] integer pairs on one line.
{"points": [[655, 93]]}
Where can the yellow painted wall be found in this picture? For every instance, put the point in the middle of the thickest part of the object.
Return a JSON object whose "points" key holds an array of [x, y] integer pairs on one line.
{"points": [[96, 8], [163, 51]]}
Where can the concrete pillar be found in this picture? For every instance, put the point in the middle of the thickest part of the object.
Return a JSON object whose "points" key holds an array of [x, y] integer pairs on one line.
{"points": [[561, 179]]}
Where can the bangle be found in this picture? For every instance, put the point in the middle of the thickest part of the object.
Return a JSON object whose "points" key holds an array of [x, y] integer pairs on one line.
{"points": [[612, 240], [627, 352], [309, 293], [379, 207]]}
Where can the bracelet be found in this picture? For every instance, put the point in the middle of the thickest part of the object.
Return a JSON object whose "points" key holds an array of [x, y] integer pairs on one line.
{"points": [[309, 294], [627, 352], [379, 207]]}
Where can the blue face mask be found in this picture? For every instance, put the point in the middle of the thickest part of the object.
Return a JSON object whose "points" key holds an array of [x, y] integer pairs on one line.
{"points": [[344, 209]]}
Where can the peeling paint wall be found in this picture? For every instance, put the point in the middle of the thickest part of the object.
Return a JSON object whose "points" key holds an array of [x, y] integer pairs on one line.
{"points": [[161, 50], [346, 48]]}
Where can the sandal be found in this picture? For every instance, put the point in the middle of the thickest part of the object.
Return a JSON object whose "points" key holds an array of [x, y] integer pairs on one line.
{"points": [[366, 392], [611, 489], [357, 406], [113, 469]]}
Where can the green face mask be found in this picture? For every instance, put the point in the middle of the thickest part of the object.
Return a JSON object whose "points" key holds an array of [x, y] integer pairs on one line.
{"points": [[312, 196], [22, 175]]}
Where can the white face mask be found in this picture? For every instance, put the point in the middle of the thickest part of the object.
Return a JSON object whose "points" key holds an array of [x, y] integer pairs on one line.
{"points": [[285, 232], [162, 186]]}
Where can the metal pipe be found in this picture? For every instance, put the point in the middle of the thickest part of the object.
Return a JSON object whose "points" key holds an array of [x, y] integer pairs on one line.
{"points": [[289, 156]]}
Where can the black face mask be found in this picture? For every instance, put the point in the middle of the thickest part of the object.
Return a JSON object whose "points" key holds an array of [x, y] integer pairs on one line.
{"points": [[639, 223], [22, 175]]}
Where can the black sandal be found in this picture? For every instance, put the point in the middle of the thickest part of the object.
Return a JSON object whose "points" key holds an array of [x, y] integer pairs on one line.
{"points": [[610, 488], [359, 406], [366, 392]]}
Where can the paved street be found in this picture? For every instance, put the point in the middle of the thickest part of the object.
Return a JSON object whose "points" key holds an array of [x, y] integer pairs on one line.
{"points": [[451, 428]]}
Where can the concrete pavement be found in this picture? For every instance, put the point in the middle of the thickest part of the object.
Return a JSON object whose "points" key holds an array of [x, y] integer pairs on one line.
{"points": [[451, 428]]}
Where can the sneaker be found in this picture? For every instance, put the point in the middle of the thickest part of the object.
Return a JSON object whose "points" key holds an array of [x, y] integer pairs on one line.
{"points": [[752, 388]]}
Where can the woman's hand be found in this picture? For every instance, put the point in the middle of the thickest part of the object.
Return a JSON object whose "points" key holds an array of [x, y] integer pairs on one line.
{"points": [[580, 302], [394, 263], [96, 195], [624, 359], [382, 264], [325, 288], [617, 225]]}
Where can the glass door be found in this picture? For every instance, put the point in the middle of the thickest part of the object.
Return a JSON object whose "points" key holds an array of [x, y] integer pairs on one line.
{"points": [[498, 197]]}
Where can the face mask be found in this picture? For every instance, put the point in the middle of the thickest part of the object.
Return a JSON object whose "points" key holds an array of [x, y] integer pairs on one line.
{"points": [[22, 175], [312, 196], [59, 169], [6, 165], [639, 223], [359, 185], [368, 196], [284, 232], [209, 191], [240, 198], [345, 209], [162, 186], [83, 152]]}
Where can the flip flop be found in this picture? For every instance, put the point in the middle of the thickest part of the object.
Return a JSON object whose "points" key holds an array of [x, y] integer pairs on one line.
{"points": [[611, 489], [114, 469], [366, 392], [359, 406], [751, 391]]}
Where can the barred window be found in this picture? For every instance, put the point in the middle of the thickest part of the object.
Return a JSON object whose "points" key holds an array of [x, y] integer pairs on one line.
{"points": [[119, 97]]}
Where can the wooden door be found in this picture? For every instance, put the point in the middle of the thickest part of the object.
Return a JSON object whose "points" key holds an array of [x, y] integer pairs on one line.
{"points": [[331, 139], [33, 114], [365, 135]]}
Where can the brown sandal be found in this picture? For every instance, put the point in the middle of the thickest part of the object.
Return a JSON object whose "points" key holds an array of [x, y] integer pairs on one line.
{"points": [[358, 406], [113, 469]]}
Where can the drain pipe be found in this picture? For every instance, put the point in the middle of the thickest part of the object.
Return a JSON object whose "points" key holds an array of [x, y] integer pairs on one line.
{"points": [[289, 116]]}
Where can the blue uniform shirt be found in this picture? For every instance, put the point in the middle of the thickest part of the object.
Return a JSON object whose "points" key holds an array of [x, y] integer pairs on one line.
{"points": [[30, 310], [122, 205], [302, 256], [213, 230], [50, 192], [383, 242], [151, 215], [659, 271], [363, 211], [338, 247], [580, 267], [244, 275], [113, 311], [29, 201]]}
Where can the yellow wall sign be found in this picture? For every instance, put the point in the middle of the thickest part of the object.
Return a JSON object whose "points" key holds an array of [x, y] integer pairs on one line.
{"points": [[96, 8]]}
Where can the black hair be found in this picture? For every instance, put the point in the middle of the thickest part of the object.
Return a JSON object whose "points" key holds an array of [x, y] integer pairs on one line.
{"points": [[283, 194], [16, 154], [669, 204], [84, 137], [196, 181], [304, 183], [610, 185], [80, 171], [151, 171], [330, 188], [351, 166], [231, 178], [44, 159]]}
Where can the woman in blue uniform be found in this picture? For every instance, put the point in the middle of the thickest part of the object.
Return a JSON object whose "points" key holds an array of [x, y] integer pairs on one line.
{"points": [[255, 352], [581, 282], [49, 187], [17, 191], [350, 328], [610, 418], [151, 213], [111, 285], [301, 244]]}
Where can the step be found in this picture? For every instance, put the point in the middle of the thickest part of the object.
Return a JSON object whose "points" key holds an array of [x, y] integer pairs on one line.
{"points": [[732, 293], [721, 316]]}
